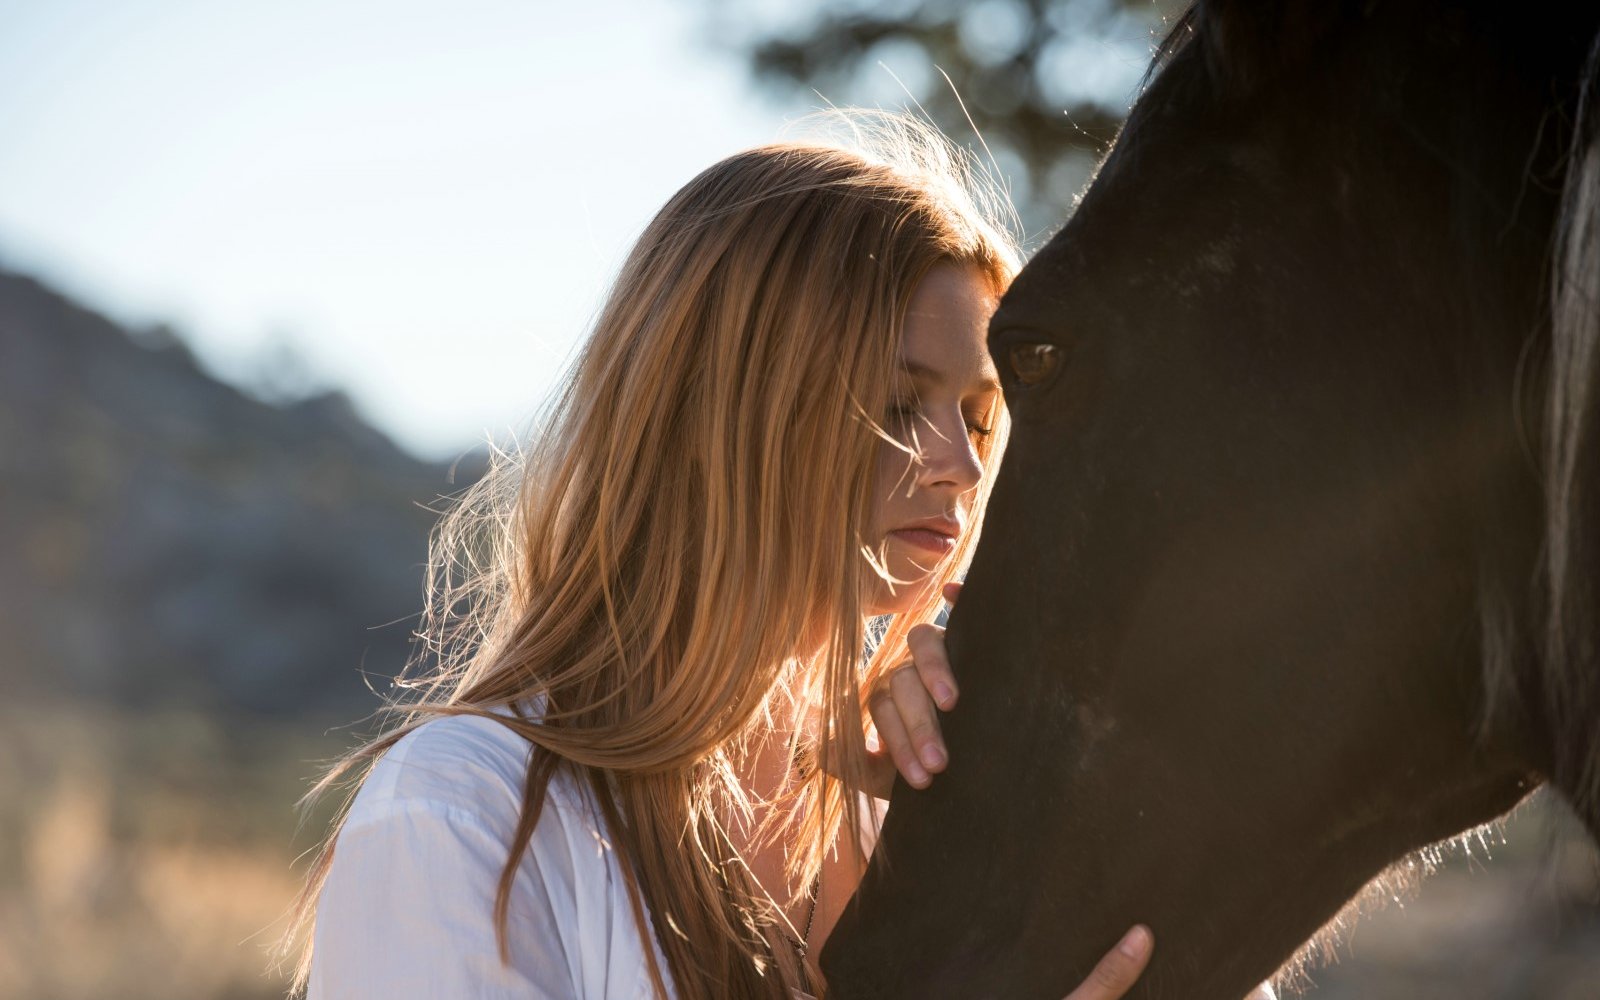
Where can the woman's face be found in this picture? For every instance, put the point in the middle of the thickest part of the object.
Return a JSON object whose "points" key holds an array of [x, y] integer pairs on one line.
{"points": [[944, 399]]}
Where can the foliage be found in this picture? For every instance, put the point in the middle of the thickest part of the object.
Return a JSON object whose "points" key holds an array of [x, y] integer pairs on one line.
{"points": [[1045, 83]]}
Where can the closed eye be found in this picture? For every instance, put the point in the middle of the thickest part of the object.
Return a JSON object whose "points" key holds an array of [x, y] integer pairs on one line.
{"points": [[903, 411]]}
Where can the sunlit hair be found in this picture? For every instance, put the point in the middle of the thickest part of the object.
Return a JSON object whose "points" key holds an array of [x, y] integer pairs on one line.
{"points": [[680, 561]]}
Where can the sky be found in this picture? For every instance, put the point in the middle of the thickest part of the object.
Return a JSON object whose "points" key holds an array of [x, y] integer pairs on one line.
{"points": [[419, 203]]}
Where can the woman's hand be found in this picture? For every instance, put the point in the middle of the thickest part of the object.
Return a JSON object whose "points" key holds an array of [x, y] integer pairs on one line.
{"points": [[905, 705], [1120, 969]]}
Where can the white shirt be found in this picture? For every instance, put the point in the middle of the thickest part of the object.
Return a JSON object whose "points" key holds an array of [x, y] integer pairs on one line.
{"points": [[407, 910]]}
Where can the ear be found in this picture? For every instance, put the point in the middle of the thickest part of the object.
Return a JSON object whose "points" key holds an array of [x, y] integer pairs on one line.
{"points": [[1250, 42]]}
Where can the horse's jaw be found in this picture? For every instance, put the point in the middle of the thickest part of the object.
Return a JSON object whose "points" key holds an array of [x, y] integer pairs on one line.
{"points": [[1232, 793], [1231, 898]]}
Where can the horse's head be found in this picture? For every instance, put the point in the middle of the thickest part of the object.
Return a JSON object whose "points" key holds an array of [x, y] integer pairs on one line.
{"points": [[1257, 609]]}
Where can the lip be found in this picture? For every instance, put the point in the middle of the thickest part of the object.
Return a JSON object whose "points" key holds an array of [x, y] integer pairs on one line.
{"points": [[933, 534]]}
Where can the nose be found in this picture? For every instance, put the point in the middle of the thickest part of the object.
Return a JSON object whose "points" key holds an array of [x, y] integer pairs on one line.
{"points": [[948, 460]]}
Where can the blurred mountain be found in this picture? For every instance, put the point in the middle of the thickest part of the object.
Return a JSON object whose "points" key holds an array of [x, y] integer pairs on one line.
{"points": [[168, 540]]}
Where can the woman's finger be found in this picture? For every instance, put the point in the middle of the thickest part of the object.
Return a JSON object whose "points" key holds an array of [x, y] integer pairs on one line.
{"points": [[892, 733], [1119, 970], [1263, 992], [880, 774], [933, 664], [951, 591], [919, 717]]}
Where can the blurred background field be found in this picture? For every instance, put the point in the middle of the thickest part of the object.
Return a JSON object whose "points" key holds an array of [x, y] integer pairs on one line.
{"points": [[268, 276], [145, 855], [148, 855]]}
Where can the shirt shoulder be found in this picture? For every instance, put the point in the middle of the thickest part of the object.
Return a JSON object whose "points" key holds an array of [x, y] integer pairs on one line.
{"points": [[470, 767]]}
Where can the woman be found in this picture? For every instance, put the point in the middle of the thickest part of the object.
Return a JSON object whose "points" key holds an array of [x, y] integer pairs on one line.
{"points": [[630, 761]]}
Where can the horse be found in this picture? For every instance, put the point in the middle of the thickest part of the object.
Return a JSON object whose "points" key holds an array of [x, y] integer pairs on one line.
{"points": [[1292, 566]]}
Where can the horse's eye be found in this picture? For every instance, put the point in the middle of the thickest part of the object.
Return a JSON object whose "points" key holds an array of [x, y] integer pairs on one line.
{"points": [[1033, 363]]}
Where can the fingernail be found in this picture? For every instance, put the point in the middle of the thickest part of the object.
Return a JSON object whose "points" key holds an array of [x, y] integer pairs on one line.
{"points": [[932, 757], [943, 693], [916, 775], [1136, 943]]}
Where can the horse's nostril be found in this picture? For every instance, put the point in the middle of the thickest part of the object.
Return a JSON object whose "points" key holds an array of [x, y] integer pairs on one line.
{"points": [[1033, 363]]}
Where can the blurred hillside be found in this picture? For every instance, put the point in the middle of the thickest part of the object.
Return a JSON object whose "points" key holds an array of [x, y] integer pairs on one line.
{"points": [[168, 540], [196, 587]]}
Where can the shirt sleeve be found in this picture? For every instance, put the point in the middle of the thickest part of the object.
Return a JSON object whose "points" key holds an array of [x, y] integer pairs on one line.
{"points": [[408, 911]]}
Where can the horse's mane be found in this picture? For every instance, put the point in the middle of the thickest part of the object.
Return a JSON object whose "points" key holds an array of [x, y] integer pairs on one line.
{"points": [[1571, 670]]}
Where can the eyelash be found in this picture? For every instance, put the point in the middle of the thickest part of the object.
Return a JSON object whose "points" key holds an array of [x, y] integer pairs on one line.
{"points": [[902, 410]]}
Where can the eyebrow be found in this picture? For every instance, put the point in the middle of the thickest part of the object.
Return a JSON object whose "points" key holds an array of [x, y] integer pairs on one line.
{"points": [[921, 371]]}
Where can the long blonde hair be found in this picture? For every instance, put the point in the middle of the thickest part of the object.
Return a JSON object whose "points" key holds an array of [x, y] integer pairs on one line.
{"points": [[640, 583]]}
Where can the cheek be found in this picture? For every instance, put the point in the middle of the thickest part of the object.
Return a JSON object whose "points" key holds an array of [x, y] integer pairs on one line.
{"points": [[888, 494], [894, 476]]}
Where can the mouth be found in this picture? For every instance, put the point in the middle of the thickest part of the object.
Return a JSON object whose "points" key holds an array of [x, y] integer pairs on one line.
{"points": [[938, 539]]}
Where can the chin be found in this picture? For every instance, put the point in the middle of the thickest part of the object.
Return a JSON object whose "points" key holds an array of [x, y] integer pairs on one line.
{"points": [[897, 598]]}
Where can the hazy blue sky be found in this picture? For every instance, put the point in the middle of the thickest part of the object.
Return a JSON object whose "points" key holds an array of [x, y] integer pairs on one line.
{"points": [[425, 200]]}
